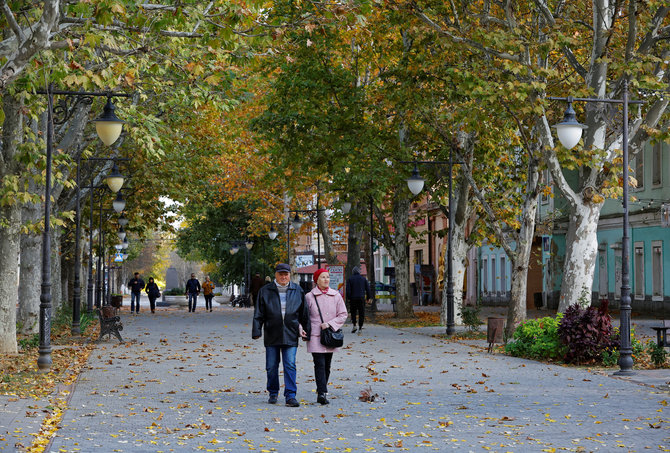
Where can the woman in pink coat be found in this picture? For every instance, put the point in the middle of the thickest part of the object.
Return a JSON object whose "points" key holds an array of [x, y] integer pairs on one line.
{"points": [[334, 314]]}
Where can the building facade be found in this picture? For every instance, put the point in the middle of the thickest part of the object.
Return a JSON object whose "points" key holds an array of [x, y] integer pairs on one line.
{"points": [[649, 220]]}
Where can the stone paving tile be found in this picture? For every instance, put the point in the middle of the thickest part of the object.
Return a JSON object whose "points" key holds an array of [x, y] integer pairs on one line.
{"points": [[196, 381]]}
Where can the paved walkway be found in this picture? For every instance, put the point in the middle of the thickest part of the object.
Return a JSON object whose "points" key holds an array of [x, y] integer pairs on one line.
{"points": [[196, 381]]}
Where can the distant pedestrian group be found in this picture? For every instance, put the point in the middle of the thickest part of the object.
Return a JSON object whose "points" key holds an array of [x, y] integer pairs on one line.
{"points": [[193, 288], [136, 285], [192, 291]]}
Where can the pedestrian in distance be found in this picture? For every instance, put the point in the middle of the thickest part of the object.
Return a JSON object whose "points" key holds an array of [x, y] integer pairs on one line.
{"points": [[192, 290], [208, 292], [257, 283], [280, 313], [136, 285], [153, 292], [358, 293], [327, 303]]}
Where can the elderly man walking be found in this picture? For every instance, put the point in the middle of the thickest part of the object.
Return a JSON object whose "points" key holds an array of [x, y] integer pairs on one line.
{"points": [[279, 311]]}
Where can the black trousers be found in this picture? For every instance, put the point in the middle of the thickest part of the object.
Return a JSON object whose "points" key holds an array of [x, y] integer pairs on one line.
{"points": [[322, 370], [208, 301], [357, 307], [152, 302]]}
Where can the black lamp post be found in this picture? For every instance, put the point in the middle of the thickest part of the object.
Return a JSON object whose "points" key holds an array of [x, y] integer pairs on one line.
{"points": [[247, 245], [346, 207], [569, 133], [273, 234], [415, 183], [297, 222], [44, 360], [114, 181]]}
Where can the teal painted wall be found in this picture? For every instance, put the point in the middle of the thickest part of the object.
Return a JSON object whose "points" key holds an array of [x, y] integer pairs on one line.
{"points": [[486, 252], [646, 235], [649, 196]]}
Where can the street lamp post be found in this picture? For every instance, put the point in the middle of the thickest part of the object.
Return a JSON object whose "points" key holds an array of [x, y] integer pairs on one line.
{"points": [[346, 207], [114, 181], [569, 133], [272, 234], [44, 360], [247, 245], [371, 270], [297, 222], [415, 184]]}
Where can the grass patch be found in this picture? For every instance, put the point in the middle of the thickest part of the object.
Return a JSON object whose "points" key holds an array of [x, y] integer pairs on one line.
{"points": [[20, 375], [420, 319]]}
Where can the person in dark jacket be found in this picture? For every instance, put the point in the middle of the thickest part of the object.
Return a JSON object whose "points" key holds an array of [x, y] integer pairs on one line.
{"points": [[153, 292], [358, 291], [257, 283], [192, 290], [279, 311], [136, 285]]}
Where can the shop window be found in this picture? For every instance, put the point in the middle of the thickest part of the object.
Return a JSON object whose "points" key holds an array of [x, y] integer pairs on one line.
{"points": [[418, 256], [503, 275], [657, 165], [638, 169], [638, 257], [494, 276], [657, 270]]}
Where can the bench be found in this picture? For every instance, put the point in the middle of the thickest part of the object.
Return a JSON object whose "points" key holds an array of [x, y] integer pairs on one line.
{"points": [[662, 334], [109, 324]]}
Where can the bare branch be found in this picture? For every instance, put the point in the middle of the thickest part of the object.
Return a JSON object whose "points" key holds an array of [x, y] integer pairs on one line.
{"points": [[9, 15], [546, 13], [118, 26], [35, 42], [461, 40], [632, 29], [655, 33], [494, 221], [581, 70]]}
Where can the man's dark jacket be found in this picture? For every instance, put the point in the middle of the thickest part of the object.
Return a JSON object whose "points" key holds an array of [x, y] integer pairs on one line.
{"points": [[193, 286], [358, 287], [136, 285], [280, 331]]}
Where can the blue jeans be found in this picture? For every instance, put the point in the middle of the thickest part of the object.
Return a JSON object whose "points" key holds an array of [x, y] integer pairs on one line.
{"points": [[134, 298], [192, 297], [272, 360]]}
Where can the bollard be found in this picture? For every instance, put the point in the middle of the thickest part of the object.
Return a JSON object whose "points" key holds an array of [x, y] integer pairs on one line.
{"points": [[494, 331]]}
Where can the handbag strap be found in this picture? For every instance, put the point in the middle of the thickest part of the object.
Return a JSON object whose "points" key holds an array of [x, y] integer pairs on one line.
{"points": [[316, 301]]}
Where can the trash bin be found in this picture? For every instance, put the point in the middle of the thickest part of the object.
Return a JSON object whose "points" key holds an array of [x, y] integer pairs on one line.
{"points": [[495, 329]]}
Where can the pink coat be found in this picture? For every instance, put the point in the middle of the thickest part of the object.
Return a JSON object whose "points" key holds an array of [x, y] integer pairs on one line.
{"points": [[334, 313]]}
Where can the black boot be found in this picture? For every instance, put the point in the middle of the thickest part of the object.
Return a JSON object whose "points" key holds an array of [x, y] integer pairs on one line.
{"points": [[321, 399]]}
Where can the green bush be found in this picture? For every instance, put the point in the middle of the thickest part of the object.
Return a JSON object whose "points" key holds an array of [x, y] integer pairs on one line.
{"points": [[85, 321], [610, 355], [470, 317], [537, 339], [174, 292], [657, 353], [32, 341]]}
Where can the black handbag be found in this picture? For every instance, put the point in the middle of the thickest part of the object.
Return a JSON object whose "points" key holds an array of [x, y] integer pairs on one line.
{"points": [[330, 338]]}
